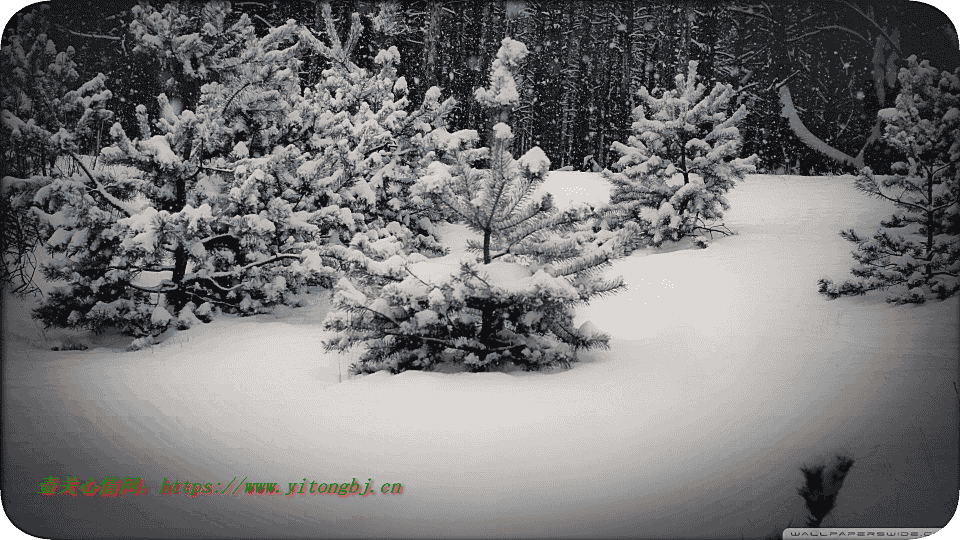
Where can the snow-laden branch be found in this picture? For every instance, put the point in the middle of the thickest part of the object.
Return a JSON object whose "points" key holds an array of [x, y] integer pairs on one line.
{"points": [[270, 260], [789, 111], [113, 201]]}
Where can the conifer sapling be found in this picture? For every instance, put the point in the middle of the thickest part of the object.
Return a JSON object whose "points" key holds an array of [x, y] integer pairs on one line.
{"points": [[916, 251], [514, 300], [680, 162]]}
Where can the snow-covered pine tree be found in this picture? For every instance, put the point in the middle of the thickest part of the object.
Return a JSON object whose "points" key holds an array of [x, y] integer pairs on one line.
{"points": [[44, 112], [515, 301], [358, 149], [153, 244], [916, 252], [366, 144], [686, 132]]}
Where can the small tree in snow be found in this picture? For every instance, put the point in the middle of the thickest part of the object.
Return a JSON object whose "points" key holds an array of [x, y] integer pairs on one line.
{"points": [[240, 197], [155, 243], [514, 302], [916, 252], [355, 147], [686, 133], [364, 145]]}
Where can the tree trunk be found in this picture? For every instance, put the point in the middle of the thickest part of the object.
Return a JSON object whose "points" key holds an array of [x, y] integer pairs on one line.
{"points": [[178, 297], [486, 246], [687, 13], [930, 223], [683, 162], [626, 74], [430, 45], [486, 312]]}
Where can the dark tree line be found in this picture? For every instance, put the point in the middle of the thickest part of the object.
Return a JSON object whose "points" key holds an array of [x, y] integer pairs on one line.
{"points": [[812, 73]]}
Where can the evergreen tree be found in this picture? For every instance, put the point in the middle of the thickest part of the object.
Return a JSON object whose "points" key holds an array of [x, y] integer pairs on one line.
{"points": [[46, 115], [153, 243], [240, 197], [916, 251], [367, 141], [356, 146], [514, 302], [684, 132]]}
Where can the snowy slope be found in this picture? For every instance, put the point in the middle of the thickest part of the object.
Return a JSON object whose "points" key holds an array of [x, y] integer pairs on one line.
{"points": [[727, 371]]}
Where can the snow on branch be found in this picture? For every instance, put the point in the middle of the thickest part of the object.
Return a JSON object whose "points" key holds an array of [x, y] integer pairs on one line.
{"points": [[789, 111], [111, 200]]}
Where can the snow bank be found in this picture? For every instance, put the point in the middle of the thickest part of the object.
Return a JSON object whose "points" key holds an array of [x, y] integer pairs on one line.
{"points": [[727, 371], [570, 188]]}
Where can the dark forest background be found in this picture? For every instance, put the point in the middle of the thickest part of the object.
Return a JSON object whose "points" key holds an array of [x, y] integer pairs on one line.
{"points": [[837, 58]]}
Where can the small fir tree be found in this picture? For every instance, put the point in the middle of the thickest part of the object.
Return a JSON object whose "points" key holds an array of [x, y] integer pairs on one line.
{"points": [[153, 244], [513, 302], [357, 147], [241, 197], [366, 142], [916, 252], [687, 133]]}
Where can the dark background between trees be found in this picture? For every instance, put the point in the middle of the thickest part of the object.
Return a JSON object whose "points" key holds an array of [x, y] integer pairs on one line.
{"points": [[839, 59]]}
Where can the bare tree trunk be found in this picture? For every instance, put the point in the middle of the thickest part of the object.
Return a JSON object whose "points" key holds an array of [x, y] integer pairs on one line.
{"points": [[430, 45], [685, 29], [930, 223], [626, 74]]}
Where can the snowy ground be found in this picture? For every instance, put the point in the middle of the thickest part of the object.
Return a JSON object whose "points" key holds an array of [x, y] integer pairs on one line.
{"points": [[727, 372]]}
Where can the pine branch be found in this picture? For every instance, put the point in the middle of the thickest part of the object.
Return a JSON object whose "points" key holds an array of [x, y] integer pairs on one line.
{"points": [[98, 187], [527, 214], [271, 260]]}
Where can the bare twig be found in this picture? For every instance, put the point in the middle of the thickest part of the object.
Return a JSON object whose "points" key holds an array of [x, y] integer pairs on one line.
{"points": [[876, 25]]}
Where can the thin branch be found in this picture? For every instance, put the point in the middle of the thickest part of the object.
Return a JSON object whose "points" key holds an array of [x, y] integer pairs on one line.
{"points": [[828, 27], [749, 12], [451, 345], [876, 25], [235, 94], [210, 280], [242, 269], [880, 194], [266, 22], [111, 200], [216, 169], [418, 278], [156, 289], [96, 36]]}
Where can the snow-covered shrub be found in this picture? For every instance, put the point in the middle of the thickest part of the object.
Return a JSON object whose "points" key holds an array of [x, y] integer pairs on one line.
{"points": [[245, 193], [138, 246], [353, 149], [513, 302], [362, 147], [44, 106], [916, 252], [46, 115], [684, 132]]}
